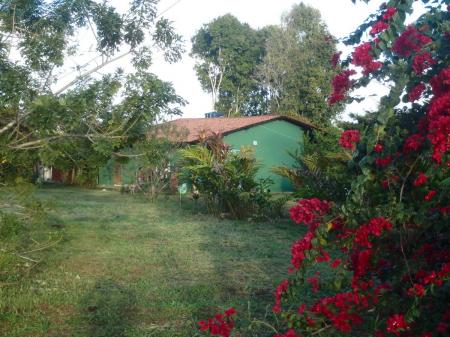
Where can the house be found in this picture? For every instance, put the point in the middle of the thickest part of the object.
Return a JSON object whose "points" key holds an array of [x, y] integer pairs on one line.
{"points": [[271, 136]]}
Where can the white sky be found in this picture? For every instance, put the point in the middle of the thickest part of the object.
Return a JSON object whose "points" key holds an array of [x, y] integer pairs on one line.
{"points": [[341, 17]]}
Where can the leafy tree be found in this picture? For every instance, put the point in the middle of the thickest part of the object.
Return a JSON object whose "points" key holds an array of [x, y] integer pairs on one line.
{"points": [[227, 52], [296, 70], [83, 121]]}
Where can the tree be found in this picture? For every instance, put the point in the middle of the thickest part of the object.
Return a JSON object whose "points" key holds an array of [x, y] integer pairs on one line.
{"points": [[296, 69], [97, 113], [383, 251], [227, 52]]}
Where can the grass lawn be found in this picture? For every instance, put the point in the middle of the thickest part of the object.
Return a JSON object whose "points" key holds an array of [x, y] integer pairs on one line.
{"points": [[126, 267]]}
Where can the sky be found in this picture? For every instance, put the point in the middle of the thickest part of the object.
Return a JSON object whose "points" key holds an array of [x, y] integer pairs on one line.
{"points": [[341, 16]]}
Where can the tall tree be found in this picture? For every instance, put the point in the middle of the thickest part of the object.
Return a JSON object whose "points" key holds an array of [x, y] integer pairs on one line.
{"points": [[296, 70], [227, 53], [51, 119]]}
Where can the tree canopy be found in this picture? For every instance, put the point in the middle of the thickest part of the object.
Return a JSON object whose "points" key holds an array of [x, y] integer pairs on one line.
{"points": [[282, 69], [296, 69], [98, 113], [227, 52]]}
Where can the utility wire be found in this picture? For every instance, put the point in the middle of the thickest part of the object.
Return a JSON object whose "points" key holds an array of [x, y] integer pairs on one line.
{"points": [[169, 8]]}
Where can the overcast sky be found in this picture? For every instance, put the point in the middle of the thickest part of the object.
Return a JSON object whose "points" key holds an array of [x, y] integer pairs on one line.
{"points": [[341, 17]]}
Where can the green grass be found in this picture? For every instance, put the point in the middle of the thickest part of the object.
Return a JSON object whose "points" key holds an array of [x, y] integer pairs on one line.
{"points": [[127, 267]]}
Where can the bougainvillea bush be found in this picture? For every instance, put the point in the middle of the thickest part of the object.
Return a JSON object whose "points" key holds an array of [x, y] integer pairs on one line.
{"points": [[387, 245]]}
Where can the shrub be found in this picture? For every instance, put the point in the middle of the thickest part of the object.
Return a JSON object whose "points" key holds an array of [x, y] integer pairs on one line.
{"points": [[386, 246], [226, 179]]}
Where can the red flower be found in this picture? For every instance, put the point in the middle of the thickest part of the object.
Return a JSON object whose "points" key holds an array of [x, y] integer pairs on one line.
{"points": [[301, 309], [309, 211], [314, 282], [336, 263], [378, 148], [383, 162], [389, 13], [420, 180], [341, 84], [378, 27], [396, 324], [229, 312], [445, 210], [362, 58], [335, 59], [218, 326], [349, 138], [415, 92], [410, 41], [421, 62], [412, 143], [289, 333], [430, 195], [374, 227], [281, 289], [417, 290]]}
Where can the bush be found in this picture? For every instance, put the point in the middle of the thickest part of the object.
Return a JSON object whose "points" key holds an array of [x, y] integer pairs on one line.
{"points": [[384, 251], [226, 179]]}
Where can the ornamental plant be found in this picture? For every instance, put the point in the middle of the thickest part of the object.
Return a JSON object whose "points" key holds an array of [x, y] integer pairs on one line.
{"points": [[386, 246]]}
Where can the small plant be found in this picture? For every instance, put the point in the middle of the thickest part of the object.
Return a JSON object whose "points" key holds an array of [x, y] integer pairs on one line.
{"points": [[226, 179]]}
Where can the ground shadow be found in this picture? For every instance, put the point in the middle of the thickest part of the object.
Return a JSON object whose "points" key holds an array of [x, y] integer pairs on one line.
{"points": [[107, 310]]}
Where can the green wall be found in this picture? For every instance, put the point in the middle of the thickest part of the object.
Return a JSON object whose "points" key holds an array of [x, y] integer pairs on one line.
{"points": [[274, 139]]}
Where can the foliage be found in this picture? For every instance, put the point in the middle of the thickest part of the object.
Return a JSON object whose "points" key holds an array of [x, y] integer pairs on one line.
{"points": [[227, 53], [296, 69], [387, 243], [320, 169], [158, 154], [20, 213], [79, 124], [222, 176]]}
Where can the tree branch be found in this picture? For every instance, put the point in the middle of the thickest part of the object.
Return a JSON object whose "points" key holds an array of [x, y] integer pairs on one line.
{"points": [[93, 70]]}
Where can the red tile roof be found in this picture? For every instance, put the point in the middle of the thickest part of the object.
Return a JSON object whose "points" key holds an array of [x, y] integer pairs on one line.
{"points": [[191, 128]]}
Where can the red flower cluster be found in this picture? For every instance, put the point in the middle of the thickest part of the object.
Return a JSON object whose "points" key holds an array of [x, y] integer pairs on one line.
{"points": [[299, 248], [374, 227], [439, 115], [341, 84], [420, 180], [383, 162], [360, 265], [309, 211], [412, 143], [220, 325], [335, 59], [349, 138], [378, 27], [289, 333], [362, 58], [410, 41], [416, 290], [389, 13], [416, 92], [421, 62], [281, 289], [339, 309], [396, 324]]}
